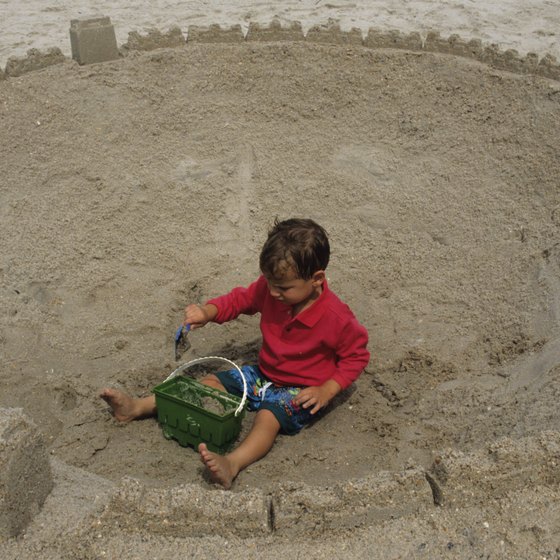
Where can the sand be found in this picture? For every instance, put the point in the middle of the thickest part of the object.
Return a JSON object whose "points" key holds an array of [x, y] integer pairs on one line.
{"points": [[132, 188]]}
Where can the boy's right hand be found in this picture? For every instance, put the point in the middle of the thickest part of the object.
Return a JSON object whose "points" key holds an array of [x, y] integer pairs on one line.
{"points": [[198, 315]]}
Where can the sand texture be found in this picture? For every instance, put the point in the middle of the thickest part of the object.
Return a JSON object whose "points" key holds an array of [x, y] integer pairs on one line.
{"points": [[131, 188]]}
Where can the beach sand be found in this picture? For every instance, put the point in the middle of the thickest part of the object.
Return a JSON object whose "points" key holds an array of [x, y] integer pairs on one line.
{"points": [[132, 188]]}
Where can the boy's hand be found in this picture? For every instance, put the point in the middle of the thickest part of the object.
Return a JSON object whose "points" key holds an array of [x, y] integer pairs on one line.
{"points": [[317, 397], [198, 315]]}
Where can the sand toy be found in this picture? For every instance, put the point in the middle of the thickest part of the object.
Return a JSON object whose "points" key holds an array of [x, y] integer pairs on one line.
{"points": [[192, 413], [182, 343]]}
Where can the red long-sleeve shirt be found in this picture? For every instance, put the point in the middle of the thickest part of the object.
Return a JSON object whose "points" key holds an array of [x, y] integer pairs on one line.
{"points": [[324, 341]]}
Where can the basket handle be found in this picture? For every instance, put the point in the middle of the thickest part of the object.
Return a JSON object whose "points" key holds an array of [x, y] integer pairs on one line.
{"points": [[187, 365]]}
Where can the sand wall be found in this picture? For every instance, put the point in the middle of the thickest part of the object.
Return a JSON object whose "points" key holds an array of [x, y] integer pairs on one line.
{"points": [[509, 60]]}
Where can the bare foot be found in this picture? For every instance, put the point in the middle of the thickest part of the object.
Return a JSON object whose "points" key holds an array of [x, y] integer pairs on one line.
{"points": [[124, 407], [221, 470]]}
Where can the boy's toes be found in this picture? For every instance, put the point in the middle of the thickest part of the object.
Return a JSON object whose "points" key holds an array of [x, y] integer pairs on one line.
{"points": [[218, 467]]}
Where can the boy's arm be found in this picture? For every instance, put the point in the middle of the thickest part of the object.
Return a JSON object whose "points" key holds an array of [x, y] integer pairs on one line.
{"points": [[227, 307], [352, 354], [198, 315], [247, 301], [352, 358]]}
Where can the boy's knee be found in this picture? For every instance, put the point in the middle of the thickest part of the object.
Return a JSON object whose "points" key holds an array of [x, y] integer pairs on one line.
{"points": [[267, 419], [212, 380]]}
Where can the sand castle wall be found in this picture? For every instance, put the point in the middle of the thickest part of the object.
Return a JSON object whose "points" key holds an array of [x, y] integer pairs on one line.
{"points": [[25, 473], [98, 42], [455, 480]]}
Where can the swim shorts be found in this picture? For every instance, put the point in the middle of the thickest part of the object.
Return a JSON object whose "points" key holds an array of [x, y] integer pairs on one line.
{"points": [[262, 394]]}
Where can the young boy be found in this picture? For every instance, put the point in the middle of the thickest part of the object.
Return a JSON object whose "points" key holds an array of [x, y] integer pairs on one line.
{"points": [[312, 345]]}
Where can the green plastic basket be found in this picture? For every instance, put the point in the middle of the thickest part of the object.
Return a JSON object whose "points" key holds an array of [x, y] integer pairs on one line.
{"points": [[184, 414]]}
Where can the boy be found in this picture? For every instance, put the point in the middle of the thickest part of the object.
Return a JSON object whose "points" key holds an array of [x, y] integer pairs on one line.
{"points": [[312, 345]]}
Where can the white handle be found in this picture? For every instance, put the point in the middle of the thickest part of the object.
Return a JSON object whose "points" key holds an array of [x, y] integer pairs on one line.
{"points": [[186, 365]]}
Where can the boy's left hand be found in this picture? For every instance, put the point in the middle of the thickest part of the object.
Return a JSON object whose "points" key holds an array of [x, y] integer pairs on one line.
{"points": [[317, 397]]}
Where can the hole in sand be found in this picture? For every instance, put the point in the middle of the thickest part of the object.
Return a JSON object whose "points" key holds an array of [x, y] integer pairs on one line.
{"points": [[135, 187]]}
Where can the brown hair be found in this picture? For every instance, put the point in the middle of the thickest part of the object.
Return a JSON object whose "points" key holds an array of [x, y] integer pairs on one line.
{"points": [[298, 243]]}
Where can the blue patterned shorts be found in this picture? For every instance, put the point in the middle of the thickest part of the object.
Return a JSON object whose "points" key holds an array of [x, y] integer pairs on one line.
{"points": [[262, 394]]}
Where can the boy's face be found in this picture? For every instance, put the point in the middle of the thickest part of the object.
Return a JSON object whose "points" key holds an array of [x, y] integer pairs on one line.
{"points": [[291, 290]]}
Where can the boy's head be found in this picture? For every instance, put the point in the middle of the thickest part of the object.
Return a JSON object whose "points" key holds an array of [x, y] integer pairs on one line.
{"points": [[297, 247]]}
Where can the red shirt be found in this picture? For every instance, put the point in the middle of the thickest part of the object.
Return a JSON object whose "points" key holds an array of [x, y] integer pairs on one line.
{"points": [[324, 341]]}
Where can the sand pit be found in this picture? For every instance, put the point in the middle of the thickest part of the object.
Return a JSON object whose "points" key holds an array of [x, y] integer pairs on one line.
{"points": [[132, 188]]}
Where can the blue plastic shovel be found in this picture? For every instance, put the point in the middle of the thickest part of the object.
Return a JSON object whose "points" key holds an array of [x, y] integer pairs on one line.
{"points": [[182, 343]]}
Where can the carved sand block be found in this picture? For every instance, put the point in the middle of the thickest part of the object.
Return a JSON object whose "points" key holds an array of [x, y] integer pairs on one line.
{"points": [[275, 32], [453, 45], [300, 509], [35, 60], [548, 67], [25, 472], [155, 39], [332, 34], [509, 60], [393, 40], [461, 479], [186, 510], [93, 40], [214, 34]]}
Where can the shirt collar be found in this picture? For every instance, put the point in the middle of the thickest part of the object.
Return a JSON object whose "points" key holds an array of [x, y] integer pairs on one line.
{"points": [[310, 316]]}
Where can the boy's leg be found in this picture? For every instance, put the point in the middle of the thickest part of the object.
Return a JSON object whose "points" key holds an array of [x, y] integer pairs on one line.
{"points": [[125, 408], [212, 381], [224, 469]]}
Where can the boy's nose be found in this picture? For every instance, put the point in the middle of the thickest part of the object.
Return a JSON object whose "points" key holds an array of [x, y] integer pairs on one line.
{"points": [[274, 292]]}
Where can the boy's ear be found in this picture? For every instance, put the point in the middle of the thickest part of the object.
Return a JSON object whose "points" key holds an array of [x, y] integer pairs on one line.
{"points": [[318, 278]]}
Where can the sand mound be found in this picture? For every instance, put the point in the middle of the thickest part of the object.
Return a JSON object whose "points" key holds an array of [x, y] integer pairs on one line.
{"points": [[132, 188]]}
